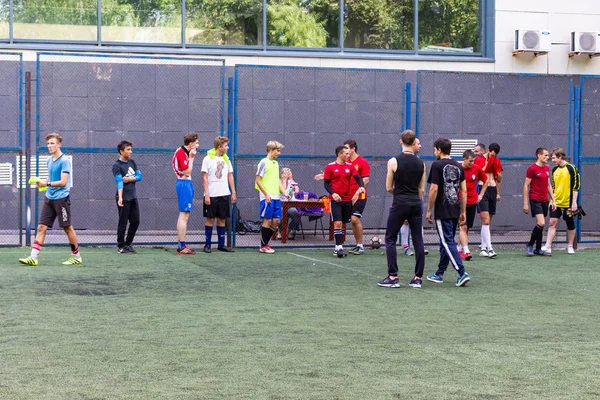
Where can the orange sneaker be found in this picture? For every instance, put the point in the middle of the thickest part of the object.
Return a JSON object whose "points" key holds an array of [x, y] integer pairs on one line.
{"points": [[186, 251]]}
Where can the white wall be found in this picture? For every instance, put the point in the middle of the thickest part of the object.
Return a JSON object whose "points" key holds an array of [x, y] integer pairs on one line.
{"points": [[559, 16]]}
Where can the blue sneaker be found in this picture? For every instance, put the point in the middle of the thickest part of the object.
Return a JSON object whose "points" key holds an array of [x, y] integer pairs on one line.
{"points": [[389, 283], [542, 253], [463, 280], [529, 251], [435, 278]]}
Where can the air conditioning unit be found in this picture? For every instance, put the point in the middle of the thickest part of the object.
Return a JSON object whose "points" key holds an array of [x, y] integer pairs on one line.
{"points": [[585, 42], [532, 41]]}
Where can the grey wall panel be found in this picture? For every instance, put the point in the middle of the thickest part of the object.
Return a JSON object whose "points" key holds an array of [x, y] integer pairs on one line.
{"points": [[360, 117], [105, 114], [330, 84], [138, 80], [360, 85], [139, 114], [10, 113], [476, 88], [104, 80], [70, 79], [331, 116], [205, 81], [70, 113], [389, 86], [299, 84], [172, 114], [172, 81], [388, 117], [9, 78], [299, 116]]}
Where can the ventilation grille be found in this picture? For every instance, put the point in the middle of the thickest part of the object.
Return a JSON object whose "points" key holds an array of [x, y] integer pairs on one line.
{"points": [[6, 171], [43, 171], [460, 145]]}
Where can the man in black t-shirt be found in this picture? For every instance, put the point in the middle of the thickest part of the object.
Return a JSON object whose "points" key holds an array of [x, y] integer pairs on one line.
{"points": [[126, 174], [446, 179], [406, 181]]}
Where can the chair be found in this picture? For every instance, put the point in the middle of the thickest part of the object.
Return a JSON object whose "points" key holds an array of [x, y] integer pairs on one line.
{"points": [[313, 216]]}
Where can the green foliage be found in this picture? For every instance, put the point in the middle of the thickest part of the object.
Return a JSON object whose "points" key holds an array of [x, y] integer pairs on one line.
{"points": [[455, 22], [376, 24], [225, 21], [291, 25]]}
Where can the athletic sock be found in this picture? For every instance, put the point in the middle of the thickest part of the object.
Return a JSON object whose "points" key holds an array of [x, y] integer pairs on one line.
{"points": [[182, 245], [221, 235], [459, 248], [36, 247], [465, 249], [533, 237], [265, 235], [338, 246], [539, 237], [208, 233], [486, 241], [404, 230], [359, 245], [338, 234], [74, 250]]}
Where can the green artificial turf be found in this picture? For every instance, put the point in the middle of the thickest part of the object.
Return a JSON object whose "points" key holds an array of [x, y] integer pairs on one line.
{"points": [[298, 324]]}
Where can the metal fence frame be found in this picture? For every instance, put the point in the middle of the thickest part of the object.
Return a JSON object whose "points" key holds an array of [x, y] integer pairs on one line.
{"points": [[405, 119], [102, 150], [574, 122], [578, 158], [20, 149]]}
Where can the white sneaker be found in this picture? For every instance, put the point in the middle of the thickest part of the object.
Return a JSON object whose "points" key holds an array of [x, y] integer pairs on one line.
{"points": [[483, 253], [491, 253], [570, 250], [546, 249]]}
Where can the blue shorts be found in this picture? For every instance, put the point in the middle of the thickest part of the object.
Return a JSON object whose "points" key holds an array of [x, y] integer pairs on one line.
{"points": [[270, 210], [185, 195]]}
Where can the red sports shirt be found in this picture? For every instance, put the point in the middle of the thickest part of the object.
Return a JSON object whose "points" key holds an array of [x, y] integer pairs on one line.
{"points": [[472, 176], [363, 169], [538, 190], [341, 177], [493, 164], [181, 161]]}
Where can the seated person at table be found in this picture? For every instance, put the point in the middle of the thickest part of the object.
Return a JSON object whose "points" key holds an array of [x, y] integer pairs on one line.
{"points": [[294, 214]]}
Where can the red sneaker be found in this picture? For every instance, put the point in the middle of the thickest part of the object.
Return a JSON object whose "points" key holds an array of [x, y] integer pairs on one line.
{"points": [[466, 256]]}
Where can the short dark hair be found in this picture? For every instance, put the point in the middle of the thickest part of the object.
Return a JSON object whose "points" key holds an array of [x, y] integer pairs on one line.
{"points": [[408, 137], [540, 150], [121, 146], [468, 154], [190, 138], [339, 149], [444, 145], [351, 144], [480, 145], [494, 147]]}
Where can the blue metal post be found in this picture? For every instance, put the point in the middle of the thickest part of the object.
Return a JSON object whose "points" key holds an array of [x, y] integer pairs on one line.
{"points": [[234, 145], [418, 105], [571, 117], [37, 133], [407, 107], [22, 152], [577, 155], [230, 151]]}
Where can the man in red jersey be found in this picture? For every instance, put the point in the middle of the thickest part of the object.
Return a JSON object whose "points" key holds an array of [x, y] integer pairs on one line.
{"points": [[338, 177], [536, 190], [490, 164], [473, 174], [361, 166]]}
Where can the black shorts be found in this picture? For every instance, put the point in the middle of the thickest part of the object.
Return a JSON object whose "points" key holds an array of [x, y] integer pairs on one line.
{"points": [[538, 207], [488, 202], [218, 207], [359, 208], [560, 212], [471, 212], [341, 211], [51, 209]]}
